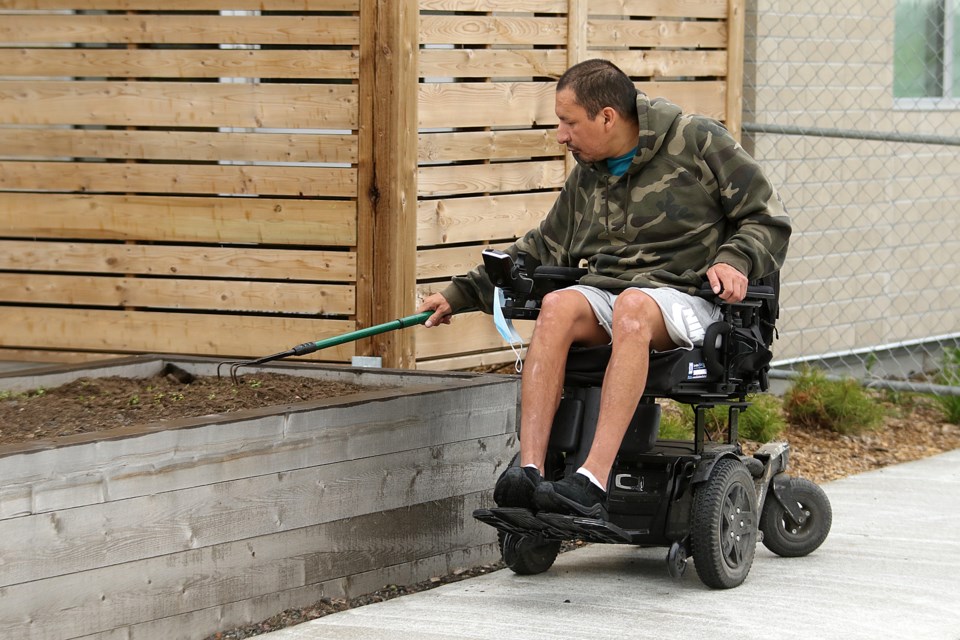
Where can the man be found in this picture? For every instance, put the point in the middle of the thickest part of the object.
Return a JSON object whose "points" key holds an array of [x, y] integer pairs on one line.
{"points": [[658, 201]]}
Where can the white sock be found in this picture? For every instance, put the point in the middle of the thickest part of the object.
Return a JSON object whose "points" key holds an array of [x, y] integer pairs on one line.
{"points": [[592, 478], [533, 466]]}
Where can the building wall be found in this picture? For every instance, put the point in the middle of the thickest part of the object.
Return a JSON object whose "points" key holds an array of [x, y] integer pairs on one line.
{"points": [[873, 260]]}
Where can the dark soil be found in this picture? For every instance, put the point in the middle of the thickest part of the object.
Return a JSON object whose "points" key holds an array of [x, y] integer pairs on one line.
{"points": [[89, 405]]}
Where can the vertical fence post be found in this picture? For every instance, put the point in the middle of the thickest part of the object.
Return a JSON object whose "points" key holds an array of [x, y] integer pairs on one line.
{"points": [[576, 47], [365, 174], [393, 190], [735, 45]]}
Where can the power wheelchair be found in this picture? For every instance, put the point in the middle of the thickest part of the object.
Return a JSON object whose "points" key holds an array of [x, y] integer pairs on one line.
{"points": [[701, 499]]}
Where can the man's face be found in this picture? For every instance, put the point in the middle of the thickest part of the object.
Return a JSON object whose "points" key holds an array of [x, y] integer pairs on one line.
{"points": [[584, 137]]}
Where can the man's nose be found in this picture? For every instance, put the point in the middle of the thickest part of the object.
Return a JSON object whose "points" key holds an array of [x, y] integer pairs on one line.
{"points": [[563, 137]]}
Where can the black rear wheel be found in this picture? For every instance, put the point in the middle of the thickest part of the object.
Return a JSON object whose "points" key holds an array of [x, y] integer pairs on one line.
{"points": [[527, 556], [787, 538], [723, 532]]}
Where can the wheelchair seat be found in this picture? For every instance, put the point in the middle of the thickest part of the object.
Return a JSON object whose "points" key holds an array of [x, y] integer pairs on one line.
{"points": [[732, 362]]}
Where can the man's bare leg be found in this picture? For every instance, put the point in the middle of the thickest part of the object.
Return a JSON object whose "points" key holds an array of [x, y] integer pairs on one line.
{"points": [[565, 318], [638, 327]]}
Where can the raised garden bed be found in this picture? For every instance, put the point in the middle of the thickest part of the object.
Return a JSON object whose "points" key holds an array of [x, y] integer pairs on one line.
{"points": [[191, 525]]}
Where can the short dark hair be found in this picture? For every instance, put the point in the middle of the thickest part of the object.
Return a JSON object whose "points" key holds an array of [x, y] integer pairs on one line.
{"points": [[599, 83]]}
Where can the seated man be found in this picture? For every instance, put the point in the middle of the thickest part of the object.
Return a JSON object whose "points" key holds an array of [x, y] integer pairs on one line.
{"points": [[658, 201]]}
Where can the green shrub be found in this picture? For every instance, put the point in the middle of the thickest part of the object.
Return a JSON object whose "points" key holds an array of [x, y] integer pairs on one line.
{"points": [[675, 424], [843, 406], [762, 422], [950, 375]]}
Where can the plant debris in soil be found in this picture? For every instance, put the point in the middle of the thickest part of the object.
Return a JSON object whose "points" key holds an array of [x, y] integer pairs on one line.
{"points": [[89, 405]]}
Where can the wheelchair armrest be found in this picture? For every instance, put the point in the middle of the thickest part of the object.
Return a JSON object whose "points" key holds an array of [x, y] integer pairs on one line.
{"points": [[547, 279], [756, 294], [523, 287], [504, 273]]}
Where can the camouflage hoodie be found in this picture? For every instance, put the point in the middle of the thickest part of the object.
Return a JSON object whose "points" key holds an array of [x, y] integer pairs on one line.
{"points": [[692, 197]]}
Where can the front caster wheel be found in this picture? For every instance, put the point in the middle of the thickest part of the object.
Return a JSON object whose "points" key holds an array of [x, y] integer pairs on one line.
{"points": [[677, 560], [787, 538], [527, 556], [723, 532]]}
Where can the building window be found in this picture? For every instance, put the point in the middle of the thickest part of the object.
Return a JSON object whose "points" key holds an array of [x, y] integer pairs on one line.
{"points": [[926, 53]]}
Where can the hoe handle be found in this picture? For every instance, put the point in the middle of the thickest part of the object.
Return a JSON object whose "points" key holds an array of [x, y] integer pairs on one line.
{"points": [[399, 323]]}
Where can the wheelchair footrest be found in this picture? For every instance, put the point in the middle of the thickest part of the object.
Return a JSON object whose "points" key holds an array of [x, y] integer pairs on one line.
{"points": [[590, 529], [552, 526]]}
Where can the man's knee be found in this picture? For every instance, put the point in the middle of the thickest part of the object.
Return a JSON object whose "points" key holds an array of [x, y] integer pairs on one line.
{"points": [[568, 317], [563, 308], [636, 313]]}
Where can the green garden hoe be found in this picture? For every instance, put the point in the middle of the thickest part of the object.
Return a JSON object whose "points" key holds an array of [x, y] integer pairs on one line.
{"points": [[310, 347]]}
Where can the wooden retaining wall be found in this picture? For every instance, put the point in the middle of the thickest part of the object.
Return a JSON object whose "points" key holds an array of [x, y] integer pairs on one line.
{"points": [[179, 178], [189, 527]]}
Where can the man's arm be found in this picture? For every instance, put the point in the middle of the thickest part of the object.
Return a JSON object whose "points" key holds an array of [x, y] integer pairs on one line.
{"points": [[758, 246]]}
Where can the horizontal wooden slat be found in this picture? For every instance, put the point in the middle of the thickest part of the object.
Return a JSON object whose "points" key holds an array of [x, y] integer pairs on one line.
{"points": [[174, 178], [665, 64], [540, 6], [491, 104], [185, 261], [178, 145], [479, 219], [180, 29], [706, 97], [655, 33], [54, 357], [181, 63], [496, 104], [184, 5], [167, 219], [510, 63], [493, 178], [488, 145], [492, 63], [446, 262], [179, 104], [467, 332], [470, 361], [167, 332], [178, 293], [661, 8], [231, 511], [473, 30]]}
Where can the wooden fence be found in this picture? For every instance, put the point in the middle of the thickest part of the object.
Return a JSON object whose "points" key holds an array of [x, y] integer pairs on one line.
{"points": [[205, 177]]}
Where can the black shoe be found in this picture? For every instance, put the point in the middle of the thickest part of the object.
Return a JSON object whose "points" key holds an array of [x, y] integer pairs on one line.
{"points": [[573, 495], [516, 486]]}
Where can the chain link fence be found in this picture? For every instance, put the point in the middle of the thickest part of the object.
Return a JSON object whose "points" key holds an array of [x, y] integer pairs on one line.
{"points": [[854, 111]]}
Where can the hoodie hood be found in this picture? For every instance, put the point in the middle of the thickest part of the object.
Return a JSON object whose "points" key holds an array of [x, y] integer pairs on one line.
{"points": [[655, 118]]}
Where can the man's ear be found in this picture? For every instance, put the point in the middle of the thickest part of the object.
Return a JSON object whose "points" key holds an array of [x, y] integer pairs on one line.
{"points": [[610, 116]]}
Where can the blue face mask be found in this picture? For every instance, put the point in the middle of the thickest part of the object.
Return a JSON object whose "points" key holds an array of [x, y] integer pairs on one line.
{"points": [[505, 328]]}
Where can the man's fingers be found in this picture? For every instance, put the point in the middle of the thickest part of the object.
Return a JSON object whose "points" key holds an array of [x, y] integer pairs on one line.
{"points": [[714, 281]]}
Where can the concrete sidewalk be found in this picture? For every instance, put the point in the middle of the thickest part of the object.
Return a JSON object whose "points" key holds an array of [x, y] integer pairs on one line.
{"points": [[889, 569]]}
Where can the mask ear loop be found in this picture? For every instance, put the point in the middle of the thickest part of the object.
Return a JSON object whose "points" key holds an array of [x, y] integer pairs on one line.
{"points": [[506, 329]]}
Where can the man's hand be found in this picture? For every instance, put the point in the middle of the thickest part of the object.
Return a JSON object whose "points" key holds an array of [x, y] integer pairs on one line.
{"points": [[727, 282], [438, 303]]}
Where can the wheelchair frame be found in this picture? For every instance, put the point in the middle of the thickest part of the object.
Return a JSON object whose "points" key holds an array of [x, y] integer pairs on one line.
{"points": [[702, 500]]}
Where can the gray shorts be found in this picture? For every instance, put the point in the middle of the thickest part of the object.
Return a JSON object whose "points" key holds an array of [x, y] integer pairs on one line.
{"points": [[687, 317]]}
